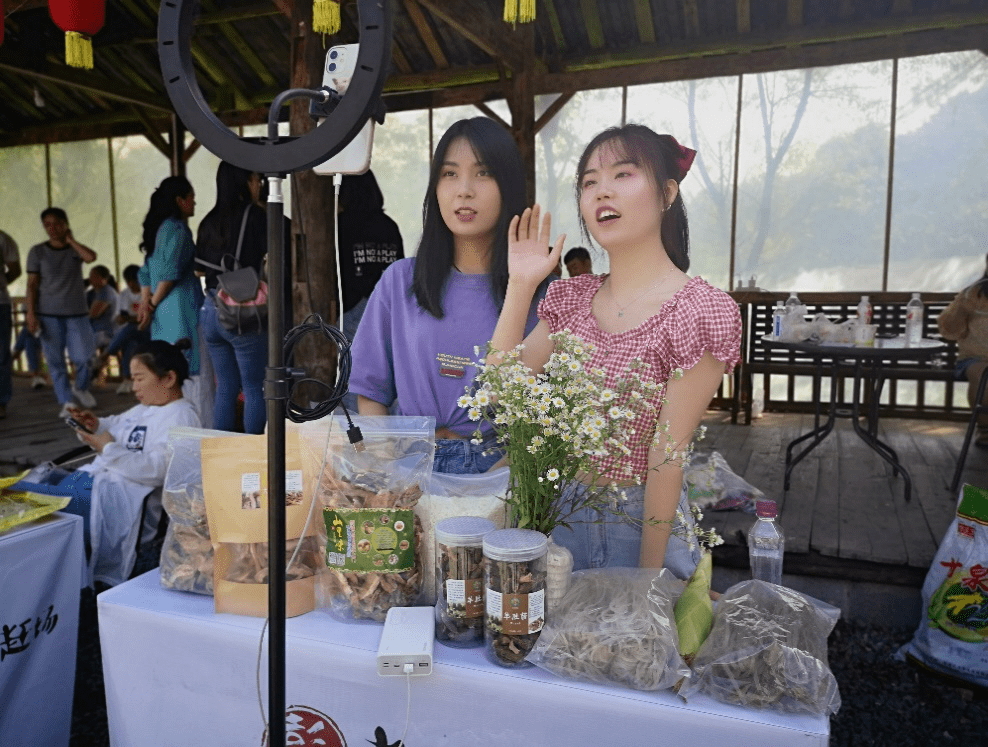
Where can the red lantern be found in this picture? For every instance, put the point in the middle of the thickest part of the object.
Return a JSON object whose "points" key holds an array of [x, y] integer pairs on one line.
{"points": [[79, 19]]}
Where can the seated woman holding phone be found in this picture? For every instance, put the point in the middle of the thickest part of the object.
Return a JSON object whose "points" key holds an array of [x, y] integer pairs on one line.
{"points": [[131, 458]]}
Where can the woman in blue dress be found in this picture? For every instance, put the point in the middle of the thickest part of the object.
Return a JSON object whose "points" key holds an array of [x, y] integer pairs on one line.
{"points": [[171, 293]]}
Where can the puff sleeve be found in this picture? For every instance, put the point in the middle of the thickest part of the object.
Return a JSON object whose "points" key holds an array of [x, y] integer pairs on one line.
{"points": [[706, 321]]}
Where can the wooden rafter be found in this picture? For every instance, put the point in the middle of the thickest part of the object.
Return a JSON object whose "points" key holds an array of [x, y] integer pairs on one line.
{"points": [[591, 19], [421, 24], [643, 19], [473, 24], [691, 18], [794, 13], [89, 82], [743, 11]]}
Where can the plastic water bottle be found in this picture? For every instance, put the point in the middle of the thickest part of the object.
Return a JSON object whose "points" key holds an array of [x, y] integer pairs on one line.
{"points": [[864, 311], [914, 320], [777, 316], [766, 544], [792, 302]]}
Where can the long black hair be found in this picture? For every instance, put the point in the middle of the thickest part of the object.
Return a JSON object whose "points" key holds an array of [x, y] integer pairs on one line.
{"points": [[658, 155], [221, 225], [160, 357], [494, 147], [163, 206], [982, 283]]}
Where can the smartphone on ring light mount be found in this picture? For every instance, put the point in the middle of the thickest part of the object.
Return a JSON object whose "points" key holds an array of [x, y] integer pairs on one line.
{"points": [[341, 63]]}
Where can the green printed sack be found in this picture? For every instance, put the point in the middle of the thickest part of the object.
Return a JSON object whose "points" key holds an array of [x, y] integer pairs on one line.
{"points": [[953, 634]]}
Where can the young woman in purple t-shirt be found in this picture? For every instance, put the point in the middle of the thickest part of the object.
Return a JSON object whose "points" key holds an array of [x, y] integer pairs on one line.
{"points": [[646, 308], [416, 342]]}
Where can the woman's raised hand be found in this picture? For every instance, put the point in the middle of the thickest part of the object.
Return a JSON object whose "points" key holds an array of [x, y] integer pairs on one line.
{"points": [[530, 258]]}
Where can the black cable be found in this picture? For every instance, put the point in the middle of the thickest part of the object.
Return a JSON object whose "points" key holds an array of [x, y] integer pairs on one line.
{"points": [[298, 414]]}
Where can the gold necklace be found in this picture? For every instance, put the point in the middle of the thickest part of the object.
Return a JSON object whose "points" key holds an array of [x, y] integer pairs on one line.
{"points": [[653, 286]]}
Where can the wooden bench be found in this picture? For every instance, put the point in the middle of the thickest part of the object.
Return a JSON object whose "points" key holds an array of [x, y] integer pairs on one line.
{"points": [[760, 363]]}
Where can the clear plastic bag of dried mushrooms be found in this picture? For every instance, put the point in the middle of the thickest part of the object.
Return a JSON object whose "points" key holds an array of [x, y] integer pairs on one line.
{"points": [[768, 649], [366, 497], [610, 630], [187, 552]]}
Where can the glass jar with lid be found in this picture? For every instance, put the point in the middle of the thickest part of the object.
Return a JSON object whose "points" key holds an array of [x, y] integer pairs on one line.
{"points": [[514, 587], [460, 579]]}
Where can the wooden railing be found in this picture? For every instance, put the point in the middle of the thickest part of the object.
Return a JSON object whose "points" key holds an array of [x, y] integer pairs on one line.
{"points": [[777, 372]]}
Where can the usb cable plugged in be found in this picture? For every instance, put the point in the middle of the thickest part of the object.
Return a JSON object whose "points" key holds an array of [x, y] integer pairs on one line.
{"points": [[408, 668]]}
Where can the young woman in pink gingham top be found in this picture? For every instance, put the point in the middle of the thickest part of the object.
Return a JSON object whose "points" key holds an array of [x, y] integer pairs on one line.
{"points": [[648, 308]]}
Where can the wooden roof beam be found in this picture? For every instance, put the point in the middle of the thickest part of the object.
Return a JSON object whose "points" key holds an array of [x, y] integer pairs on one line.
{"points": [[87, 81], [421, 24], [478, 28]]}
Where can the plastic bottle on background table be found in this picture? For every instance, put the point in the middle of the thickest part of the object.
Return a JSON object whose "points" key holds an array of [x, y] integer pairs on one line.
{"points": [[792, 302], [864, 311], [766, 544], [914, 320], [777, 317]]}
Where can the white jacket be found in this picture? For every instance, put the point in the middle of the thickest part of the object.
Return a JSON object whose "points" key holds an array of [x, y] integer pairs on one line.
{"points": [[127, 470]]}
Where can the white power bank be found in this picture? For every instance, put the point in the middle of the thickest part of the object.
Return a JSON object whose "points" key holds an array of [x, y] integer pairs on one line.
{"points": [[408, 638]]}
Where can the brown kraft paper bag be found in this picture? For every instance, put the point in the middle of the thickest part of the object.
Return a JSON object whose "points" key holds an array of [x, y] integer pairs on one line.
{"points": [[234, 481]]}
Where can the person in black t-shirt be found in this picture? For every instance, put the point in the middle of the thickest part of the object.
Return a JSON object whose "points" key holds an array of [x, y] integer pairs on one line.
{"points": [[369, 242]]}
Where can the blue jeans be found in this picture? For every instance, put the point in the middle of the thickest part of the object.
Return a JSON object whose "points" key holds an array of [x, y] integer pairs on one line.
{"points": [[457, 456], [614, 541], [31, 347], [6, 360], [127, 339], [239, 362], [76, 334]]}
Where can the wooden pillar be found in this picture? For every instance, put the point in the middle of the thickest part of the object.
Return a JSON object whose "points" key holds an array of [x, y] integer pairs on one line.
{"points": [[314, 259], [521, 101], [177, 138]]}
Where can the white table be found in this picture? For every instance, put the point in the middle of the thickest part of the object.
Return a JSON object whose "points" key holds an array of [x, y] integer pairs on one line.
{"points": [[177, 673], [42, 567]]}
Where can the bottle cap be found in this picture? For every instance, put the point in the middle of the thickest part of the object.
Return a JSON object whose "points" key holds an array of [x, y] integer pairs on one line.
{"points": [[766, 509], [864, 298]]}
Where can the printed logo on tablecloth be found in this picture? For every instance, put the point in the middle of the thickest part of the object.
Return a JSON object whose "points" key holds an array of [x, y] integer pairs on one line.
{"points": [[305, 726]]}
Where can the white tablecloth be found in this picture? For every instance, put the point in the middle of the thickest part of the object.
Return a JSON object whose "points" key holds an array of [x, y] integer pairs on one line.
{"points": [[177, 673], [42, 567]]}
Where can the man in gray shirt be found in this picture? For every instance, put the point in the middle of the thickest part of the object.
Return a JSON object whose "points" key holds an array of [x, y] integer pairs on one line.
{"points": [[10, 270], [56, 305]]}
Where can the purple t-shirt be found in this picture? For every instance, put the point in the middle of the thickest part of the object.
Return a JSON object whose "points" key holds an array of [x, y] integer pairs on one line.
{"points": [[403, 352]]}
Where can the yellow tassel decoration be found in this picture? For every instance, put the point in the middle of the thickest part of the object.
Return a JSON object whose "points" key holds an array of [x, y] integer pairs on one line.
{"points": [[326, 16], [78, 50], [519, 11]]}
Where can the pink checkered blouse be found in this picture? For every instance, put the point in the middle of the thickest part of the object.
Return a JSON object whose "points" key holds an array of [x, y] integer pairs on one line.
{"points": [[697, 319]]}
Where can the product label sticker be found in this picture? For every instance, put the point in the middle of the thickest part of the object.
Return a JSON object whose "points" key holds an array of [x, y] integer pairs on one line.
{"points": [[250, 490], [465, 599], [516, 614], [370, 539], [293, 487]]}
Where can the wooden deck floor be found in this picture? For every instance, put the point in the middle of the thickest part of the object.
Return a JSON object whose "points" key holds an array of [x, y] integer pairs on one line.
{"points": [[845, 514], [32, 432]]}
